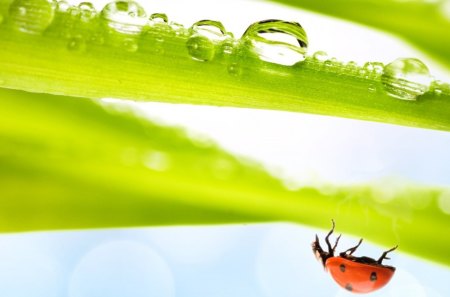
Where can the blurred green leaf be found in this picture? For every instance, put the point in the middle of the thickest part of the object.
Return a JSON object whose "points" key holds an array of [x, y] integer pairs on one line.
{"points": [[70, 163], [425, 24]]}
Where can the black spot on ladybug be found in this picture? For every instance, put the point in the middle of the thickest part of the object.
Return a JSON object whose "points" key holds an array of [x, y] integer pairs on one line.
{"points": [[373, 276], [342, 267], [349, 287]]}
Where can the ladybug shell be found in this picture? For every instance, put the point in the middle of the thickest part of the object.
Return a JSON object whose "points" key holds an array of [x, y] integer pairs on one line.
{"points": [[358, 277]]}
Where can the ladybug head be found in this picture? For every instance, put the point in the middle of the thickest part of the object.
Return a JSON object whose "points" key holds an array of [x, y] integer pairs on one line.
{"points": [[320, 254]]}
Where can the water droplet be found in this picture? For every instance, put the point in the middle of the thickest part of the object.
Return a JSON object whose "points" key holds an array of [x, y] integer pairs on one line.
{"points": [[406, 78], [130, 45], [320, 56], [438, 87], [235, 69], [372, 88], [126, 17], [87, 11], [278, 41], [372, 69], [74, 12], [97, 39], [205, 35], [31, 16], [63, 6], [76, 44], [159, 18], [352, 68]]}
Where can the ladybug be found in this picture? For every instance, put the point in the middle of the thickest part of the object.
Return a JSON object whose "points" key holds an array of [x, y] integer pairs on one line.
{"points": [[355, 274]]}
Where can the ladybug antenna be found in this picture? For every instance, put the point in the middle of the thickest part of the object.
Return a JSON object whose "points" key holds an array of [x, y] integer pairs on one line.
{"points": [[327, 239], [350, 251], [383, 256]]}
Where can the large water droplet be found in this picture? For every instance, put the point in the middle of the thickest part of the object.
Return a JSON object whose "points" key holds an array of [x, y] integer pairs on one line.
{"points": [[124, 16], [159, 18], [277, 41], [31, 16], [406, 78], [205, 35]]}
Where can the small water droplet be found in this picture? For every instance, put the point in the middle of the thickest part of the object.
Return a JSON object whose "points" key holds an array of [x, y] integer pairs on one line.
{"points": [[31, 16], [159, 18], [406, 78], [372, 69], [352, 68], [126, 17], [234, 69], [76, 44], [205, 35], [328, 63], [130, 45], [320, 56], [278, 41], [97, 39], [74, 12], [372, 88], [87, 11], [63, 6]]}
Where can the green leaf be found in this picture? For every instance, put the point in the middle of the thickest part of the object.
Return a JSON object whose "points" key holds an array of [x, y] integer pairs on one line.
{"points": [[422, 23], [69, 163], [89, 59]]}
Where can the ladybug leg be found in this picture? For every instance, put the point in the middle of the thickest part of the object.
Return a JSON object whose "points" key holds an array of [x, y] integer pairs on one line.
{"points": [[336, 243], [383, 256], [350, 251], [327, 240]]}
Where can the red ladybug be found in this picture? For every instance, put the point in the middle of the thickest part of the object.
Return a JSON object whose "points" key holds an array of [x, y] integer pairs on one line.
{"points": [[355, 274]]}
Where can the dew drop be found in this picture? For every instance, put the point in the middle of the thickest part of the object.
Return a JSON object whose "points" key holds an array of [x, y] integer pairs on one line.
{"points": [[372, 88], [438, 87], [235, 69], [278, 41], [205, 35], [372, 69], [63, 6], [87, 11], [31, 16], [130, 45], [320, 56], [126, 17], [406, 78], [76, 44], [74, 12], [352, 67], [159, 18]]}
